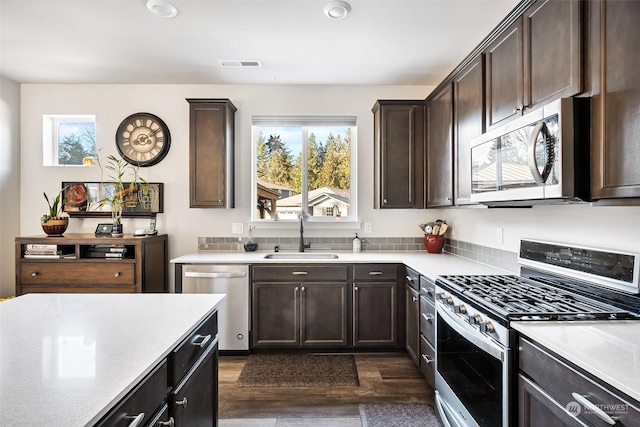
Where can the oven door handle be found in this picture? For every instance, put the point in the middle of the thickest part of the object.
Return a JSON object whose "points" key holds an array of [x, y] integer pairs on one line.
{"points": [[470, 334]]}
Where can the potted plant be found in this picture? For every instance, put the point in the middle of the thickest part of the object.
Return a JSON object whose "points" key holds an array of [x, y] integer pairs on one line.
{"points": [[117, 168], [54, 223]]}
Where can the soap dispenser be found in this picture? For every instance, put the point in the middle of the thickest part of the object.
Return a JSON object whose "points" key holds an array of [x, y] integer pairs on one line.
{"points": [[357, 244]]}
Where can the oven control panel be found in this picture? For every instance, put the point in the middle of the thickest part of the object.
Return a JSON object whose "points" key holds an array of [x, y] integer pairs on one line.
{"points": [[472, 316]]}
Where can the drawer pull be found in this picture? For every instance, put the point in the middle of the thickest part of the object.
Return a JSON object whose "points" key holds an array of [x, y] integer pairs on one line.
{"points": [[182, 402], [593, 408], [34, 273], [117, 274], [414, 299], [169, 423], [375, 273], [299, 273], [410, 279], [428, 317], [427, 359], [137, 420], [204, 341]]}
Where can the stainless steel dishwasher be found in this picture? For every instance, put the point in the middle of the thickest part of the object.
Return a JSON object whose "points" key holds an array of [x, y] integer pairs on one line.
{"points": [[233, 313]]}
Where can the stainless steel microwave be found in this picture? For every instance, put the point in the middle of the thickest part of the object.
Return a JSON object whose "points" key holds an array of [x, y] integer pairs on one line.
{"points": [[541, 157]]}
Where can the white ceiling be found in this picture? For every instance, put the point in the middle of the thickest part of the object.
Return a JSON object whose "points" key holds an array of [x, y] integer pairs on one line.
{"points": [[382, 42]]}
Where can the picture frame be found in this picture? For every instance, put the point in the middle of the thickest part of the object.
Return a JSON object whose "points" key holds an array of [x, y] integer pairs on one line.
{"points": [[86, 199]]}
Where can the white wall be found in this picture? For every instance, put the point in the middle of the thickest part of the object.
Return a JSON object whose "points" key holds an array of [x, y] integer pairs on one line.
{"points": [[611, 227], [9, 181]]}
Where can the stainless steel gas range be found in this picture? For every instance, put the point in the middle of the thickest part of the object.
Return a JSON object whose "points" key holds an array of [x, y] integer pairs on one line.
{"points": [[475, 354]]}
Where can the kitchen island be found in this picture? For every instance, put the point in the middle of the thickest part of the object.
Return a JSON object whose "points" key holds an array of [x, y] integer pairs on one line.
{"points": [[69, 359]]}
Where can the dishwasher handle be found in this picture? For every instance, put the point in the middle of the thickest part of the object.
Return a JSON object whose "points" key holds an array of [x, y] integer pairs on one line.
{"points": [[207, 275]]}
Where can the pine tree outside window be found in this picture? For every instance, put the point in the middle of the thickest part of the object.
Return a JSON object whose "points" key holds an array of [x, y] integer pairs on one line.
{"points": [[304, 164], [68, 139]]}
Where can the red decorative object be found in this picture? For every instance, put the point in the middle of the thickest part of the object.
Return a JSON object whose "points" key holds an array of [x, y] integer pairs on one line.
{"points": [[434, 243]]}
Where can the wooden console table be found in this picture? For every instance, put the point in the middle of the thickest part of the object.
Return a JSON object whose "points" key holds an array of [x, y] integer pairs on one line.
{"points": [[81, 264]]}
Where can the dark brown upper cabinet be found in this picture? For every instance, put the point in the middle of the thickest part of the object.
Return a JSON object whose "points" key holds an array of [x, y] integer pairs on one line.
{"points": [[537, 59], [503, 82], [211, 153], [399, 154], [468, 103], [614, 36], [440, 148]]}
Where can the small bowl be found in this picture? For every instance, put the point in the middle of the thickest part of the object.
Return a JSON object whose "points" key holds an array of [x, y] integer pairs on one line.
{"points": [[250, 247]]}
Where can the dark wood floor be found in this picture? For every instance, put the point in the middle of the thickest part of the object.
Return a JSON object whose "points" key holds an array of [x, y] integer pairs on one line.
{"points": [[384, 378]]}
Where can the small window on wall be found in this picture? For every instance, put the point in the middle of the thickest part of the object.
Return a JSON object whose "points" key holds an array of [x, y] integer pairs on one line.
{"points": [[68, 139]]}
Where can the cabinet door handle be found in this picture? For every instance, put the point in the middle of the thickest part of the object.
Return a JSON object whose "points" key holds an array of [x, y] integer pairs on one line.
{"points": [[375, 273], [302, 289], [299, 273], [296, 289], [204, 341], [182, 402], [169, 423], [384, 200], [355, 289], [137, 420], [117, 274], [593, 408], [426, 359], [428, 317], [34, 273]]}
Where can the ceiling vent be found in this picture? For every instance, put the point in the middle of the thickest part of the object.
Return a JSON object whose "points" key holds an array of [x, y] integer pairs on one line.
{"points": [[245, 63]]}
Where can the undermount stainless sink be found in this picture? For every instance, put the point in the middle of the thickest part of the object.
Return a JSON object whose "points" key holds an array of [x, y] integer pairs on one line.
{"points": [[300, 255]]}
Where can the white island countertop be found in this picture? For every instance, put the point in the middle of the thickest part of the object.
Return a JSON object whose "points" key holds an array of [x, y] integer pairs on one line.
{"points": [[608, 350], [66, 359], [429, 265]]}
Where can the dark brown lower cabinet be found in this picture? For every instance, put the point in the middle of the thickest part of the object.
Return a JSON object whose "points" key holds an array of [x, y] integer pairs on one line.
{"points": [[412, 304], [300, 314], [375, 314], [194, 401], [553, 392]]}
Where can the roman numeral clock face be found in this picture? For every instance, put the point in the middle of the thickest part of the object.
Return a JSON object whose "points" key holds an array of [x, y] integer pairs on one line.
{"points": [[143, 139]]}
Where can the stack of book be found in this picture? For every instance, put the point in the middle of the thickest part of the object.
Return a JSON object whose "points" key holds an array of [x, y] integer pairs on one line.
{"points": [[33, 250], [107, 251]]}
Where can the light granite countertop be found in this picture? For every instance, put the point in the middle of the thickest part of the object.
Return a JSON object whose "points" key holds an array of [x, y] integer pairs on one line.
{"points": [[429, 265], [608, 350], [66, 359]]}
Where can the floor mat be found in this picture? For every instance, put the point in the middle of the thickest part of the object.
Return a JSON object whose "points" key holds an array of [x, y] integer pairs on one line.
{"points": [[398, 415], [299, 370]]}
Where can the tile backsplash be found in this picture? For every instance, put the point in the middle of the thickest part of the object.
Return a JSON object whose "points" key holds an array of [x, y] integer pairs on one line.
{"points": [[495, 257]]}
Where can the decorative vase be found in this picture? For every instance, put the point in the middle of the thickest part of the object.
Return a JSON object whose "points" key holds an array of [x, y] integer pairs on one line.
{"points": [[55, 226], [434, 243]]}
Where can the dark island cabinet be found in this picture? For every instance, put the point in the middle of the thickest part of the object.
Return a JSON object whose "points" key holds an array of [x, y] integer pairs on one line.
{"points": [[615, 143], [537, 59], [181, 391], [375, 306], [300, 306], [399, 154], [468, 103], [211, 153], [440, 148], [553, 392]]}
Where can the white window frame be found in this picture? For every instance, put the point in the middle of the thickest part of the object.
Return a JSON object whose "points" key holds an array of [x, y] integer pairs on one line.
{"points": [[50, 125], [306, 122]]}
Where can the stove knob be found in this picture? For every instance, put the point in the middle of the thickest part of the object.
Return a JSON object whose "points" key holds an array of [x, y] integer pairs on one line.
{"points": [[449, 301], [442, 296], [487, 327], [475, 319], [461, 309]]}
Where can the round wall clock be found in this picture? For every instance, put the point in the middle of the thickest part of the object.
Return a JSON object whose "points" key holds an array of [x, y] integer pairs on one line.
{"points": [[143, 139]]}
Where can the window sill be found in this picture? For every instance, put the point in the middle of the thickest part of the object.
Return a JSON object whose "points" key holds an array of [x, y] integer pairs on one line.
{"points": [[308, 225]]}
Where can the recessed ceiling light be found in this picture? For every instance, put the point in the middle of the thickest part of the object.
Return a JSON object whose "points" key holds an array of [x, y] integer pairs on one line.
{"points": [[337, 9], [162, 8]]}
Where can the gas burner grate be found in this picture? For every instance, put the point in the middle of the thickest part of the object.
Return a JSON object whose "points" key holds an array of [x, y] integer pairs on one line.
{"points": [[514, 297]]}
